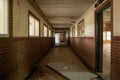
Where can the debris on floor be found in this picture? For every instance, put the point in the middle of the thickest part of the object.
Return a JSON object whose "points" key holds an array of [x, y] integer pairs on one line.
{"points": [[71, 72]]}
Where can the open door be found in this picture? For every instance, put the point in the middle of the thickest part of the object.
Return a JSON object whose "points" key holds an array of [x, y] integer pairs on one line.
{"points": [[103, 41]]}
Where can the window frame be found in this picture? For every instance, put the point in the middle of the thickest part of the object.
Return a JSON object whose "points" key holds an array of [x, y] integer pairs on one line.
{"points": [[81, 28], [37, 19], [105, 36], [7, 8]]}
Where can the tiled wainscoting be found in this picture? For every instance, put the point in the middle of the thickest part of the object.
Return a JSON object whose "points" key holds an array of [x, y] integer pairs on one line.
{"points": [[115, 59], [18, 56], [85, 49]]}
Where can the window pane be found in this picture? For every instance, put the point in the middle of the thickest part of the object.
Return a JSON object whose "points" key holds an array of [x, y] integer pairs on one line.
{"points": [[37, 28], [31, 30], [81, 29], [45, 31], [31, 26], [3, 16], [50, 33], [104, 36], [108, 35]]}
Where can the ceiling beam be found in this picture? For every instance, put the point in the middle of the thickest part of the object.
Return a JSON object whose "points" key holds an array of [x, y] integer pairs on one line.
{"points": [[61, 28]]}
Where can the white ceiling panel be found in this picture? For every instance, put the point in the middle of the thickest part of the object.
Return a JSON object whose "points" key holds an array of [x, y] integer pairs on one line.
{"points": [[63, 11]]}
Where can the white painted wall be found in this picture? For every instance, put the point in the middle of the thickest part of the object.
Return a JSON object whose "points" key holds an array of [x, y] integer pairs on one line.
{"points": [[116, 17], [88, 17], [20, 18], [3, 18]]}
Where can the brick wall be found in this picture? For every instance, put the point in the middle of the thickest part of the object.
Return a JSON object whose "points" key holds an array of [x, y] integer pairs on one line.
{"points": [[115, 58], [18, 56]]}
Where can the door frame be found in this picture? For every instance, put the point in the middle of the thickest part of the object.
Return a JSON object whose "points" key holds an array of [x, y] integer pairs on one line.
{"points": [[99, 33]]}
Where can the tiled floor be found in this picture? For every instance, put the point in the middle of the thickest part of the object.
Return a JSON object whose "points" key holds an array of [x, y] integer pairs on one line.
{"points": [[56, 55]]}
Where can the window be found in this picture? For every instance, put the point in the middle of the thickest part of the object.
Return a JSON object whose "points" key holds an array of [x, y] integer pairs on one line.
{"points": [[3, 17], [50, 33], [106, 35], [81, 29], [45, 31], [33, 26]]}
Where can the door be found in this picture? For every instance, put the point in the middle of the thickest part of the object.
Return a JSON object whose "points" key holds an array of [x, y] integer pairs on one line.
{"points": [[106, 51], [103, 41], [62, 37]]}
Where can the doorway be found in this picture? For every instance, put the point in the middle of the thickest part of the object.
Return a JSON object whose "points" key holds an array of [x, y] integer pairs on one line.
{"points": [[60, 39], [106, 43], [103, 41], [57, 40]]}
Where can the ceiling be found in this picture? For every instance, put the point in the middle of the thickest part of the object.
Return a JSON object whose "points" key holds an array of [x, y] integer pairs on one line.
{"points": [[63, 13]]}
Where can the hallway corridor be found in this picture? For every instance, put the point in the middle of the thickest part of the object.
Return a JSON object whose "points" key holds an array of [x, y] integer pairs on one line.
{"points": [[59, 39], [61, 54]]}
